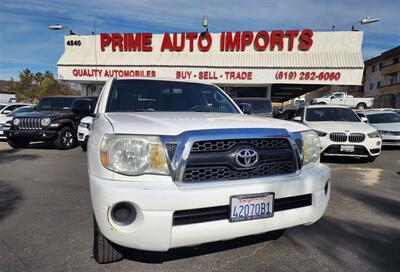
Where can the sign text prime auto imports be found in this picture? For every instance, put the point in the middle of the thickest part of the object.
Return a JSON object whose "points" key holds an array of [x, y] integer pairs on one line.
{"points": [[228, 41]]}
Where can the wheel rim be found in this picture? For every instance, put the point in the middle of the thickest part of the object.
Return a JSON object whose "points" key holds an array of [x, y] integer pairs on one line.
{"points": [[67, 138]]}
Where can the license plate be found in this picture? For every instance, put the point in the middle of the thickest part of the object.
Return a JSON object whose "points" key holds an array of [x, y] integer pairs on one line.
{"points": [[250, 207], [347, 148]]}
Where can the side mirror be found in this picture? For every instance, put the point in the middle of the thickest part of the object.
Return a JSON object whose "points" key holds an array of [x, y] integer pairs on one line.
{"points": [[245, 107], [332, 97], [364, 119], [297, 119], [82, 107], [6, 112]]}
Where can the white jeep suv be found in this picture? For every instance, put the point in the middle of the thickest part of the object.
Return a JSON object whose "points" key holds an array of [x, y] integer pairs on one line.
{"points": [[177, 163], [341, 131]]}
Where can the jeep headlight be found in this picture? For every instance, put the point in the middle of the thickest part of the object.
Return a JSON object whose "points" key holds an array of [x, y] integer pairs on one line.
{"points": [[374, 134], [45, 122], [311, 146], [133, 155], [16, 121]]}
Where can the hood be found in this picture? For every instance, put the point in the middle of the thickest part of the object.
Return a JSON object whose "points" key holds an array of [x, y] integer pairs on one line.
{"points": [[174, 123], [38, 114], [387, 126], [336, 126]]}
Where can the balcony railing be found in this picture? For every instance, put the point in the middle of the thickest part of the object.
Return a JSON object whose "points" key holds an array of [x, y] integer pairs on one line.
{"points": [[390, 69]]}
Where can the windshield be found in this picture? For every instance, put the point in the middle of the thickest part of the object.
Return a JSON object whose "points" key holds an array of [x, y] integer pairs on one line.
{"points": [[257, 105], [331, 114], [55, 103], [148, 95], [387, 117], [21, 110]]}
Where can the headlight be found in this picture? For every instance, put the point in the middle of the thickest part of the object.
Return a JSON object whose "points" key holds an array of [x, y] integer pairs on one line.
{"points": [[374, 134], [16, 121], [311, 146], [85, 125], [133, 155], [45, 122], [320, 133]]}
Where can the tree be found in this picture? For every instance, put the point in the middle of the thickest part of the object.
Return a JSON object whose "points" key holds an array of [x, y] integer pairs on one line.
{"points": [[33, 86]]}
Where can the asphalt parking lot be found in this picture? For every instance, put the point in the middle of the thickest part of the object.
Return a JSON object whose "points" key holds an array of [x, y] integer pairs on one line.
{"points": [[46, 222]]}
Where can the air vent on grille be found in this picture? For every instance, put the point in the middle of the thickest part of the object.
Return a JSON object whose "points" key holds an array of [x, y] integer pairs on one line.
{"points": [[29, 123], [338, 137], [224, 145], [171, 148], [356, 137], [210, 173]]}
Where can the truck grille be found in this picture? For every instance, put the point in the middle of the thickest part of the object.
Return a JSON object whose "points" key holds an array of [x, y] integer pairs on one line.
{"points": [[356, 137], [216, 160], [29, 123], [223, 145], [338, 137]]}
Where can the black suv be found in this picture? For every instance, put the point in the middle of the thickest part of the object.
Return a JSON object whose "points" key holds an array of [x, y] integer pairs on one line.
{"points": [[53, 121]]}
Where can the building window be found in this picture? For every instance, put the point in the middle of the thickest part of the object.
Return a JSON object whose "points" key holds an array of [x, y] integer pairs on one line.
{"points": [[373, 69], [396, 60], [380, 66], [371, 86], [378, 84]]}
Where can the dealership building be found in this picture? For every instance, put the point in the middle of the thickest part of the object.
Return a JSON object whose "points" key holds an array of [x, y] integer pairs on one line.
{"points": [[279, 64]]}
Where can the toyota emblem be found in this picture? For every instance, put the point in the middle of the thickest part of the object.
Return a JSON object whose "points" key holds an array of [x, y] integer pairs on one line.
{"points": [[247, 157]]}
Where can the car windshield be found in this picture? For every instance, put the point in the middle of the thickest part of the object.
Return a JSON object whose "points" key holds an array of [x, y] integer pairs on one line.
{"points": [[55, 103], [327, 95], [149, 95], [20, 110], [380, 118], [331, 114], [257, 105]]}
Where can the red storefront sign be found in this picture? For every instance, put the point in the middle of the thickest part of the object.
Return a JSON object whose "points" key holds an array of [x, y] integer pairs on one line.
{"points": [[228, 41]]}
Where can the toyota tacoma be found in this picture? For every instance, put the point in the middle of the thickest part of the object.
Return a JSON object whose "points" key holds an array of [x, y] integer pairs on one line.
{"points": [[177, 163]]}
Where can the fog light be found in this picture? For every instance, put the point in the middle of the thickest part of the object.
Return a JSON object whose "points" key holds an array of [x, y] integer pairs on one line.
{"points": [[123, 213], [378, 143]]}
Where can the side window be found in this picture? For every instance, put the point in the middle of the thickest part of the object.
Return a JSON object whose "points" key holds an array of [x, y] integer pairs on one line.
{"points": [[338, 95], [373, 68], [380, 66], [371, 85]]}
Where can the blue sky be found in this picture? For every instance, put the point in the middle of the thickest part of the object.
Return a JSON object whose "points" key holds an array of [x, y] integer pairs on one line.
{"points": [[26, 42]]}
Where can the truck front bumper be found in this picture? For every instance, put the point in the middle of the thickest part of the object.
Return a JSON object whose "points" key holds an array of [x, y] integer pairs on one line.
{"points": [[155, 203], [31, 135]]}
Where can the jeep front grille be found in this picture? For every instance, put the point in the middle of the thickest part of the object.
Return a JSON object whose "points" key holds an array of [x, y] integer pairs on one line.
{"points": [[29, 123]]}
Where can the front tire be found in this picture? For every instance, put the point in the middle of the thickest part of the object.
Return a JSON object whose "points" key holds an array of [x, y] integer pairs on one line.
{"points": [[66, 139], [361, 106], [104, 251], [18, 143]]}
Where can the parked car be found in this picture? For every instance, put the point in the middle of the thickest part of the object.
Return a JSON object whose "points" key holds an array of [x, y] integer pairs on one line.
{"points": [[342, 98], [191, 168], [287, 114], [8, 108], [5, 121], [387, 123], [341, 131], [84, 131], [52, 122], [259, 106]]}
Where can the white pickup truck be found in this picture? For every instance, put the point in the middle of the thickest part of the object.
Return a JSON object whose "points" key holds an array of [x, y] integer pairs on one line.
{"points": [[177, 163], [342, 98]]}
